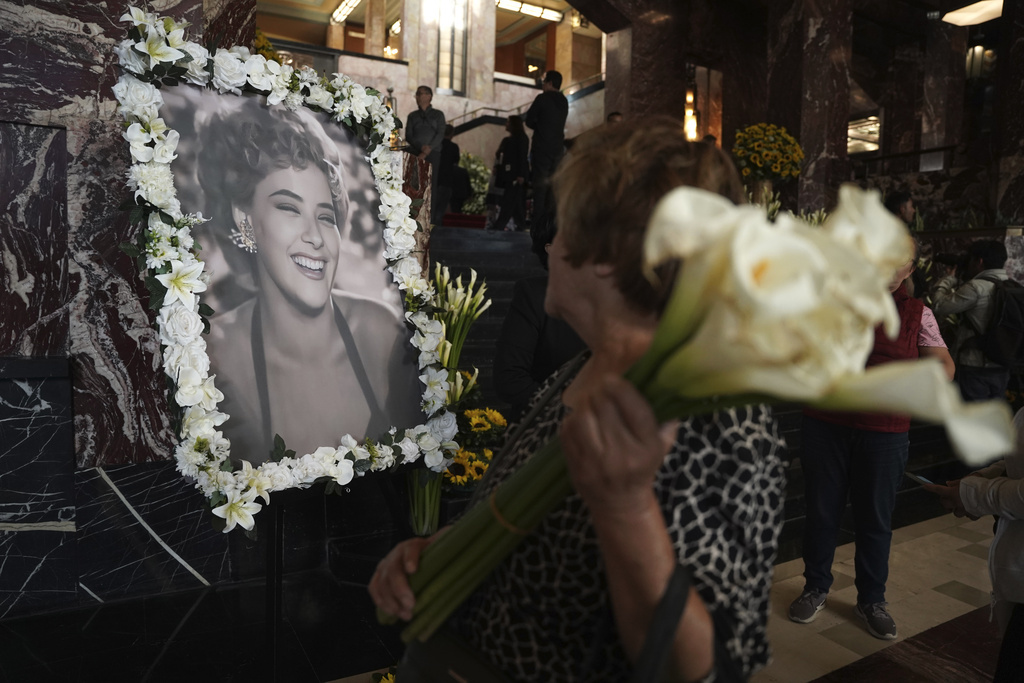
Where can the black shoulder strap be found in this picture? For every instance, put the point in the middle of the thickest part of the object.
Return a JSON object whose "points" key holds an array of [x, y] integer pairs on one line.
{"points": [[664, 623]]}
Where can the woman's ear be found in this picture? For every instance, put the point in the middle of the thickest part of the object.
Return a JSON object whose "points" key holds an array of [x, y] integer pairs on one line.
{"points": [[238, 215]]}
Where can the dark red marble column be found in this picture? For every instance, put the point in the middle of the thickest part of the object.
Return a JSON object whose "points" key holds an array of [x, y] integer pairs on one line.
{"points": [[784, 78], [944, 81], [82, 296], [808, 54], [1010, 112], [901, 126]]}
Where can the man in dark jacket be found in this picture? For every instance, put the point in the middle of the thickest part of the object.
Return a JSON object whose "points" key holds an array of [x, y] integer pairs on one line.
{"points": [[546, 117], [424, 131]]}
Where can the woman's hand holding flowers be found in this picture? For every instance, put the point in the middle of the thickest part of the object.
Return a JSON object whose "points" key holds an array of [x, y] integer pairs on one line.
{"points": [[614, 446]]}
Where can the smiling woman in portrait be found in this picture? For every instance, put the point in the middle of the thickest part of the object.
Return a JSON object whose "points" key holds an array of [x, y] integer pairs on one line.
{"points": [[301, 358]]}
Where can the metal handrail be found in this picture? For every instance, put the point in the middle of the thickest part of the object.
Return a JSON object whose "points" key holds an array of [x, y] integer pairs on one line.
{"points": [[568, 90]]}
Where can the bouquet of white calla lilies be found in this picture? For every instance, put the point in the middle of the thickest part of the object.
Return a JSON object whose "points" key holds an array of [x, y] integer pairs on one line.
{"points": [[760, 312], [793, 316]]}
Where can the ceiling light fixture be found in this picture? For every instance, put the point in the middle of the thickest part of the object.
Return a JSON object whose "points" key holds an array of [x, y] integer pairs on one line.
{"points": [[978, 13], [530, 10], [396, 27], [344, 9]]}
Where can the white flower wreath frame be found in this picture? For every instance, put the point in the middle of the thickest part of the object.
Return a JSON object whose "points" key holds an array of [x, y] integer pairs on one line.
{"points": [[156, 52]]}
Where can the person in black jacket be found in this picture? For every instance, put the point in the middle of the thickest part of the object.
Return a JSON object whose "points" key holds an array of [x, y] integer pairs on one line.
{"points": [[513, 169], [546, 117]]}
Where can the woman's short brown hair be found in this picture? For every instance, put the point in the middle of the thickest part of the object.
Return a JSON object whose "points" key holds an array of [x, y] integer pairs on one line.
{"points": [[608, 185]]}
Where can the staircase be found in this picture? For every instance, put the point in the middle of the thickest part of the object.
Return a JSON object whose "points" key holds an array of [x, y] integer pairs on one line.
{"points": [[500, 259]]}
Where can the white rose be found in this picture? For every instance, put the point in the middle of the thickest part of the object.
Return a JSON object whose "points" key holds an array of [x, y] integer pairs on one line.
{"points": [[191, 356], [259, 73], [410, 451], [406, 267], [228, 72], [385, 456], [398, 246], [130, 58], [320, 97], [142, 100], [197, 73], [190, 388], [240, 51], [179, 325], [444, 427]]}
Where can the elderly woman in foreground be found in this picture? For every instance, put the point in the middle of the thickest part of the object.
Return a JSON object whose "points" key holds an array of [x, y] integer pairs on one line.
{"points": [[575, 600]]}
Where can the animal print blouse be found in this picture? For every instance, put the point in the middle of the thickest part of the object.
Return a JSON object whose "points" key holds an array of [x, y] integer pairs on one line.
{"points": [[545, 613]]}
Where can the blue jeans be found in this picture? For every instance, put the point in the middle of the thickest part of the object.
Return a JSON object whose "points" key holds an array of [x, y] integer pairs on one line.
{"points": [[979, 384], [837, 461]]}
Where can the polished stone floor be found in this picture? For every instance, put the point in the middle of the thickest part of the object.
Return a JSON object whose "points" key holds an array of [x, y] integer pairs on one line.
{"points": [[938, 593]]}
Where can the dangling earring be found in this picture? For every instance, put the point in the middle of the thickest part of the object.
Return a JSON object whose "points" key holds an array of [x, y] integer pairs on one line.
{"points": [[244, 236]]}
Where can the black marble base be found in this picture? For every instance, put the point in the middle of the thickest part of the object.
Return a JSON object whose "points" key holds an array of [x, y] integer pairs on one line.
{"points": [[329, 632]]}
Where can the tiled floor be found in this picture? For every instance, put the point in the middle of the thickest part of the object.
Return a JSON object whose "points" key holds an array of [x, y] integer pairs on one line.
{"points": [[938, 571]]}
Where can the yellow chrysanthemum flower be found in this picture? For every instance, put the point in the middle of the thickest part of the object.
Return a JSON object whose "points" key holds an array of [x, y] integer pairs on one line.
{"points": [[496, 418], [745, 172], [488, 454]]}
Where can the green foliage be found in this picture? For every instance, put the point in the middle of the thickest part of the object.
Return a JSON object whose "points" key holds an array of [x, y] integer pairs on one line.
{"points": [[479, 177]]}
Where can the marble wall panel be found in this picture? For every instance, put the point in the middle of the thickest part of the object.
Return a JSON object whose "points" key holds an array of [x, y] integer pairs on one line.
{"points": [[942, 108], [37, 514], [142, 530], [33, 241], [38, 571], [36, 456], [1009, 120], [827, 49], [483, 17]]}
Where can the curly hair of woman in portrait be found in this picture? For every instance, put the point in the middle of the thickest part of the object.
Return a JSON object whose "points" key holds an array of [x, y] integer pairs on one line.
{"points": [[300, 358]]}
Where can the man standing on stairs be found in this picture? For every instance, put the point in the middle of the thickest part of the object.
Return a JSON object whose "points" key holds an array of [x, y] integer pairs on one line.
{"points": [[546, 117], [424, 131]]}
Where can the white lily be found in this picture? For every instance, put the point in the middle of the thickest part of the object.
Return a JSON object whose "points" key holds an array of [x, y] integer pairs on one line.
{"points": [[156, 48], [787, 311], [182, 283], [239, 510]]}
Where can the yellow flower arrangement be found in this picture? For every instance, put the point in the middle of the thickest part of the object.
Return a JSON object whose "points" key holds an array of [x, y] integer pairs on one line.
{"points": [[765, 151], [479, 429], [467, 467], [262, 45]]}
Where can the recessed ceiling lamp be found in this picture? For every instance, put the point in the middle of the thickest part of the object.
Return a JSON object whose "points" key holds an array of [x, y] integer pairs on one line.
{"points": [[344, 9], [529, 10], [978, 13]]}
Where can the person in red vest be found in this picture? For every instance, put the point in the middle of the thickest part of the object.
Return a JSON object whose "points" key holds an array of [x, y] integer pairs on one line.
{"points": [[863, 455]]}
